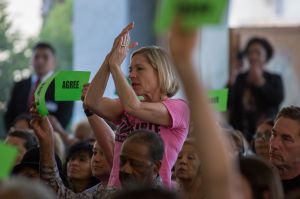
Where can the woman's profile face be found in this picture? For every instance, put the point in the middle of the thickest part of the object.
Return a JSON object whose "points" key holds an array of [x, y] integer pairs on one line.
{"points": [[187, 164], [144, 78], [257, 55]]}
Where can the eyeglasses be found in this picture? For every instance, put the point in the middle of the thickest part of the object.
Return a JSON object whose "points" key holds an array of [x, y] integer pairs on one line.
{"points": [[262, 135]]}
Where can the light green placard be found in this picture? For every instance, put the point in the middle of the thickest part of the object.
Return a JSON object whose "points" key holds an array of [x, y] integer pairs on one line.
{"points": [[219, 98], [192, 13], [165, 13], [8, 154], [39, 95], [69, 84]]}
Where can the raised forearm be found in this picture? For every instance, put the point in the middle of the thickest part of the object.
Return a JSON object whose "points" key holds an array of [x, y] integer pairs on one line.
{"points": [[104, 136], [126, 94], [212, 150]]}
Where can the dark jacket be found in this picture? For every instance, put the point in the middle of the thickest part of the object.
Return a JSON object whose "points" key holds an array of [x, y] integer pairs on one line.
{"points": [[18, 104], [266, 100]]}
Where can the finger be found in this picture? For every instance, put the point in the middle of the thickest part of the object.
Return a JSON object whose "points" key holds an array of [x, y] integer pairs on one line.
{"points": [[129, 27], [133, 44], [36, 127]]}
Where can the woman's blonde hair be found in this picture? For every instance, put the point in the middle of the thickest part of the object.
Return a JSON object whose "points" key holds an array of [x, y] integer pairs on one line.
{"points": [[161, 62]]}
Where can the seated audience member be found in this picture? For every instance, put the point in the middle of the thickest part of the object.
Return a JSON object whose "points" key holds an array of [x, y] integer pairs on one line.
{"points": [[285, 147], [257, 93], [24, 140], [30, 164], [49, 173], [59, 146], [262, 139], [22, 121], [22, 188], [59, 129], [78, 167], [105, 138], [140, 161], [188, 171], [153, 79], [259, 175], [83, 131], [239, 143]]}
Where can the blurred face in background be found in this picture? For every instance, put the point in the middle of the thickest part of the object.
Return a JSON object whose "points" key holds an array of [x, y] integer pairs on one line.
{"points": [[262, 139], [43, 61], [257, 55]]}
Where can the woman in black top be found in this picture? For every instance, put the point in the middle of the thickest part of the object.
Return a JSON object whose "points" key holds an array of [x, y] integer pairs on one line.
{"points": [[256, 94]]}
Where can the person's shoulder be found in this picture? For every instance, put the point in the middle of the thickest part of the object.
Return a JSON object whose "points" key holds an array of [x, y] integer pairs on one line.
{"points": [[176, 105], [25, 81], [177, 101]]}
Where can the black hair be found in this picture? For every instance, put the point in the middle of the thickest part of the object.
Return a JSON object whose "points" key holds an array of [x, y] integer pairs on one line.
{"points": [[291, 112], [152, 140], [44, 45], [264, 43], [24, 116], [29, 137], [80, 147]]}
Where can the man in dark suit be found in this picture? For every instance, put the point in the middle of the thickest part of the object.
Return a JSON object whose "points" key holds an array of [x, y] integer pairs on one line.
{"points": [[43, 62]]}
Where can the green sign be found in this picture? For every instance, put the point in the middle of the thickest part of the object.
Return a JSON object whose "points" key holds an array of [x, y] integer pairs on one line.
{"points": [[39, 95], [8, 154], [69, 85], [192, 13], [219, 98]]}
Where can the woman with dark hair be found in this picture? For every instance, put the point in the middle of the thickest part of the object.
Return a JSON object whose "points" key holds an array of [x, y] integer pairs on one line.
{"points": [[78, 167], [256, 94], [262, 179]]}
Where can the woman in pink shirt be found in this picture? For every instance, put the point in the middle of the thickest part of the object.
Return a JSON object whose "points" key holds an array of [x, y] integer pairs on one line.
{"points": [[145, 104]]}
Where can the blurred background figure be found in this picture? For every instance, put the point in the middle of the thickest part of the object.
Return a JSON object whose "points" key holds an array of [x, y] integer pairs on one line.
{"points": [[260, 177], [23, 140], [22, 121], [23, 188], [29, 166], [83, 131], [236, 68], [256, 94], [262, 139], [22, 94]]}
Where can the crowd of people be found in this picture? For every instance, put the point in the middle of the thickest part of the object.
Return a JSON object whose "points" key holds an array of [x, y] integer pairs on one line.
{"points": [[148, 144]]}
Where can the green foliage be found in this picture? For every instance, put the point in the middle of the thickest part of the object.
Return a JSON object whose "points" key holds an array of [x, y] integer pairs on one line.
{"points": [[57, 30], [14, 58]]}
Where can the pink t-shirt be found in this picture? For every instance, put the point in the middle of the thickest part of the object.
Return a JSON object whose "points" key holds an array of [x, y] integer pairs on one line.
{"points": [[172, 136]]}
